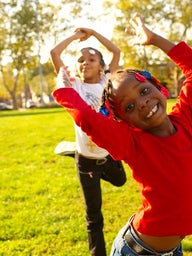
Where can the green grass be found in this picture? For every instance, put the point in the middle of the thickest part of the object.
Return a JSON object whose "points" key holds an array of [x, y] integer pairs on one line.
{"points": [[41, 205]]}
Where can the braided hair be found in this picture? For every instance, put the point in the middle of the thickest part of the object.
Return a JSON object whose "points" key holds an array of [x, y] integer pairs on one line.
{"points": [[107, 107]]}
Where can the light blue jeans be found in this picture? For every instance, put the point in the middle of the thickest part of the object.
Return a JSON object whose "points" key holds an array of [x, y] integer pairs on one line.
{"points": [[121, 248]]}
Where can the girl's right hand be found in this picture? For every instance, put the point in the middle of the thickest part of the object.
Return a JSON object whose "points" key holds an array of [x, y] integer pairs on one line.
{"points": [[79, 35], [86, 31]]}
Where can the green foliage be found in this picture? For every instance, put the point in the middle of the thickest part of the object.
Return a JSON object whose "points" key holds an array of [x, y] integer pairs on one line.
{"points": [[21, 24], [172, 21], [48, 79], [40, 197], [29, 27]]}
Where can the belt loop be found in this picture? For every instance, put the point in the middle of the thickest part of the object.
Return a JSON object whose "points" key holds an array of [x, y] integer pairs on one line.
{"points": [[167, 254], [131, 218], [101, 161], [128, 224]]}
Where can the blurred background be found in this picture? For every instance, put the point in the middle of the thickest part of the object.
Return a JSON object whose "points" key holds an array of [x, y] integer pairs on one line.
{"points": [[29, 29]]}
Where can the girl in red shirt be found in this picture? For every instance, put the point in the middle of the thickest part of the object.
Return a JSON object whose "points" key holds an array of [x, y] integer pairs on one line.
{"points": [[156, 145]]}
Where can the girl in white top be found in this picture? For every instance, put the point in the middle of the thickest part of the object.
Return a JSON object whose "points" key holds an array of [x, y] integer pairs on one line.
{"points": [[93, 163]]}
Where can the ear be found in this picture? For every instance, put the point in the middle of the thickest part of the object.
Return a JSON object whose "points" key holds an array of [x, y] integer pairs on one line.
{"points": [[101, 68]]}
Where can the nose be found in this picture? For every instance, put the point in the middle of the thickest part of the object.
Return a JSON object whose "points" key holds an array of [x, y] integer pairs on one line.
{"points": [[143, 102], [84, 63]]}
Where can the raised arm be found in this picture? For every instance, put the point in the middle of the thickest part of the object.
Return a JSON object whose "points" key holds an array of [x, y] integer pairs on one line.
{"points": [[145, 36], [59, 48], [111, 47]]}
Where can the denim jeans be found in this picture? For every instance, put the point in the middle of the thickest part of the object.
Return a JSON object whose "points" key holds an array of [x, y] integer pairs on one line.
{"points": [[121, 248], [90, 172]]}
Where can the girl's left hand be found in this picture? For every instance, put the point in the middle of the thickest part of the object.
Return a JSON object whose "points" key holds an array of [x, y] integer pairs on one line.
{"points": [[87, 33], [142, 34]]}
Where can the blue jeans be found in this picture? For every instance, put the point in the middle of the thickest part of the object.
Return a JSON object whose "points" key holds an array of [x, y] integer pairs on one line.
{"points": [[121, 248]]}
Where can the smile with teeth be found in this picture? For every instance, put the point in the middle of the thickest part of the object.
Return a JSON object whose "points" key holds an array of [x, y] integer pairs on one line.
{"points": [[153, 111]]}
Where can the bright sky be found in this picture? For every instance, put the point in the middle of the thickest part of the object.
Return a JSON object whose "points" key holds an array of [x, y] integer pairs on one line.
{"points": [[104, 27]]}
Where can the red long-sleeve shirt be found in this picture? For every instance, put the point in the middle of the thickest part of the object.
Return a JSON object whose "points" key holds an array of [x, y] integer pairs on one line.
{"points": [[162, 166]]}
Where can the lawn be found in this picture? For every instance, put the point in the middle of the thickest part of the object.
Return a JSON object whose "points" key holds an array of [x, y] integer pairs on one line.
{"points": [[40, 197]]}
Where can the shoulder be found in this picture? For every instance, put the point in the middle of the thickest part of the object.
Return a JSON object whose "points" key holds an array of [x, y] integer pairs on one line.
{"points": [[77, 84]]}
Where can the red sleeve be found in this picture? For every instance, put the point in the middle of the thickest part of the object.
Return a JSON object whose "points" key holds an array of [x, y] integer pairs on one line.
{"points": [[181, 54], [73, 103], [107, 133]]}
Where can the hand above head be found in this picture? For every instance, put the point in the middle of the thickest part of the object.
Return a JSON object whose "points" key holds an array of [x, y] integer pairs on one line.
{"points": [[87, 32], [79, 34], [143, 36], [109, 45]]}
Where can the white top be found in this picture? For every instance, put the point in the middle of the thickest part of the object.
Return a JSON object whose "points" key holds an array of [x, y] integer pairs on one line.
{"points": [[91, 93]]}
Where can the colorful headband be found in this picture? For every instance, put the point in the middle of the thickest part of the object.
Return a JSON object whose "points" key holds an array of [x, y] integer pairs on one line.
{"points": [[104, 111], [143, 75]]}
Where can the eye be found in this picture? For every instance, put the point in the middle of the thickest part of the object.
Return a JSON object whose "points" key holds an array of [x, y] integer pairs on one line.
{"points": [[129, 107], [81, 60], [91, 59], [144, 91]]}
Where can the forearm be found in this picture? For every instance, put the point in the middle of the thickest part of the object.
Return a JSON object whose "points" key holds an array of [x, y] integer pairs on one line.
{"points": [[93, 123], [106, 42], [162, 43], [57, 51], [111, 47]]}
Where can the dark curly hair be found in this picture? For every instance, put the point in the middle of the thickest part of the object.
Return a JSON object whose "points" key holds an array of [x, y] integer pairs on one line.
{"points": [[102, 62], [107, 107]]}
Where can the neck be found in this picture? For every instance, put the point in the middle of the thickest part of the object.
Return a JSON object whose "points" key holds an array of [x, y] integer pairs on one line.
{"points": [[90, 81], [166, 129]]}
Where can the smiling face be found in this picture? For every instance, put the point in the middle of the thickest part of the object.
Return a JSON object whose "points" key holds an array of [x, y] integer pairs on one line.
{"points": [[139, 103], [89, 66]]}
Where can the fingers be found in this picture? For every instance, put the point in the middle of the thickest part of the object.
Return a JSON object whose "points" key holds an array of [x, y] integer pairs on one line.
{"points": [[80, 35], [130, 31], [84, 30], [140, 32], [136, 22], [80, 29], [83, 33]]}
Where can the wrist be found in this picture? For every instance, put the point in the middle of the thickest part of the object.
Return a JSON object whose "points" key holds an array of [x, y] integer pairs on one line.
{"points": [[93, 32], [154, 38], [74, 37]]}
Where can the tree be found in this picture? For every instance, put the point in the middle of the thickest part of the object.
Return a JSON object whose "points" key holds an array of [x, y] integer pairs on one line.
{"points": [[172, 20], [18, 42], [24, 27]]}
